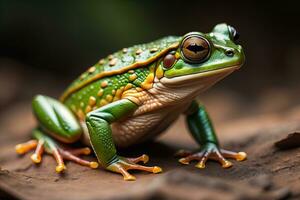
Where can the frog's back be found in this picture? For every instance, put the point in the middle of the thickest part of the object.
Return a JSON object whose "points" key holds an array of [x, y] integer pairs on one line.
{"points": [[108, 79]]}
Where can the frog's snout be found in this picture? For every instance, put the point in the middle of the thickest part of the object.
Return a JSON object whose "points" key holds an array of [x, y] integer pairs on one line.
{"points": [[236, 54]]}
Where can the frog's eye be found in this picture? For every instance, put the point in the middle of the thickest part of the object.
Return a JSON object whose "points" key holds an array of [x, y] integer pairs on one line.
{"points": [[169, 60], [195, 49], [234, 34]]}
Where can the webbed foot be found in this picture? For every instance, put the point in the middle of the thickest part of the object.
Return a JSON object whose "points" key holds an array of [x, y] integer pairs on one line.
{"points": [[210, 151], [122, 165], [45, 143]]}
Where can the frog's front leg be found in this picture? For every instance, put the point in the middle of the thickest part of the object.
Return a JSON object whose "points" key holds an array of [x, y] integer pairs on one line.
{"points": [[57, 120], [202, 130], [98, 123]]}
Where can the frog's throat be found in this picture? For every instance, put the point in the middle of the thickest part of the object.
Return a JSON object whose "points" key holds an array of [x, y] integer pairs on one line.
{"points": [[210, 77]]}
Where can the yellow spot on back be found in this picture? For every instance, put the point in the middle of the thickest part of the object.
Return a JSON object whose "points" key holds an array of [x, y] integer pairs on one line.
{"points": [[124, 50], [104, 84], [128, 86], [115, 98], [159, 72], [151, 69], [92, 101], [113, 92], [109, 98], [91, 69], [113, 62], [132, 77], [148, 82], [177, 55], [139, 51], [119, 93], [82, 76], [100, 93], [88, 109], [81, 104], [80, 114], [103, 102], [110, 57], [101, 62], [73, 108], [131, 71], [153, 50]]}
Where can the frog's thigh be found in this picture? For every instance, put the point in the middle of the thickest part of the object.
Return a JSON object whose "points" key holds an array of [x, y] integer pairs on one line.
{"points": [[56, 119]]}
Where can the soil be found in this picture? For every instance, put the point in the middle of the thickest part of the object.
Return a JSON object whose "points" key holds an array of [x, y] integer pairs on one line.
{"points": [[260, 127]]}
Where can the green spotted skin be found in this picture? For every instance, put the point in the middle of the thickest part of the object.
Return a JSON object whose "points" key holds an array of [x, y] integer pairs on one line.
{"points": [[106, 90], [126, 57], [107, 80]]}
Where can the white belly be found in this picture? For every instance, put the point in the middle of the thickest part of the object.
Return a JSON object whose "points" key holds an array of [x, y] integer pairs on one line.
{"points": [[137, 129], [143, 127]]}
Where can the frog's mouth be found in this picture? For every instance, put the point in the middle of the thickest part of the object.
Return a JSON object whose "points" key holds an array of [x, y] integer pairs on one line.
{"points": [[207, 78]]}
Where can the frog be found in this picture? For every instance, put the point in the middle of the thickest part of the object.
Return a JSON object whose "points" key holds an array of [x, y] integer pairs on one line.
{"points": [[134, 95]]}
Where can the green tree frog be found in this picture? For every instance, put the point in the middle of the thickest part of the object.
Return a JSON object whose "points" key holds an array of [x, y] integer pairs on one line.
{"points": [[133, 95]]}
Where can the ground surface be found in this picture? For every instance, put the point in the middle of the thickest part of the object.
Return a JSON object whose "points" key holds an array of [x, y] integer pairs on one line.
{"points": [[253, 127]]}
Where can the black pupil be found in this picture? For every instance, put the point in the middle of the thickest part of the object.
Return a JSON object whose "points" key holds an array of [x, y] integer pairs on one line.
{"points": [[195, 48]]}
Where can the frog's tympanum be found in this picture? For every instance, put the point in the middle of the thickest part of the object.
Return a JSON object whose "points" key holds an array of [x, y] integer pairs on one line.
{"points": [[132, 96]]}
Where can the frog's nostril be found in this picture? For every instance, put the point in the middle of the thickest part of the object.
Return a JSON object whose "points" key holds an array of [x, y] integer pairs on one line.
{"points": [[229, 52]]}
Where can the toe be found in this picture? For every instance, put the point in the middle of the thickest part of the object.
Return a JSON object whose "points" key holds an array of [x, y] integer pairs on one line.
{"points": [[129, 177], [60, 168], [81, 151], [94, 165], [36, 158], [126, 175], [156, 170], [200, 165], [196, 156], [226, 164], [123, 165], [25, 147], [220, 158], [69, 156], [145, 158], [241, 156], [184, 161]]}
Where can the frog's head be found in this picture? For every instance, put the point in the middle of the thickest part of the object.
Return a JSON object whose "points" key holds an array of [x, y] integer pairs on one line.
{"points": [[203, 57]]}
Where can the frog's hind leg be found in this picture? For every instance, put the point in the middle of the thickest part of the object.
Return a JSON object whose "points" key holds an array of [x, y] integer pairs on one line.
{"points": [[57, 120], [44, 143]]}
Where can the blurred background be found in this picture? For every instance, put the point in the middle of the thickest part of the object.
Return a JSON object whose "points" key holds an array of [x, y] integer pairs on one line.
{"points": [[46, 44]]}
